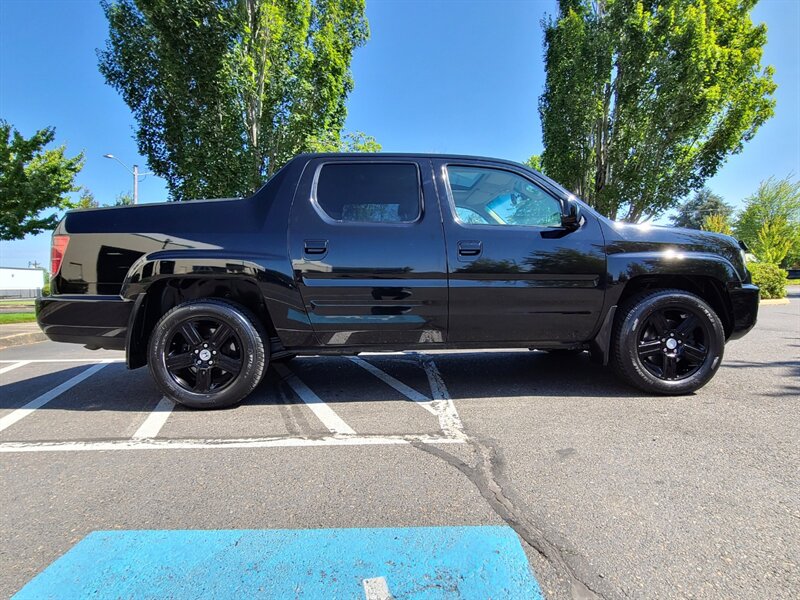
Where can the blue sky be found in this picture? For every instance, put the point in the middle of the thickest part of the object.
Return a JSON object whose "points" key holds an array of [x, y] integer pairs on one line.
{"points": [[436, 76]]}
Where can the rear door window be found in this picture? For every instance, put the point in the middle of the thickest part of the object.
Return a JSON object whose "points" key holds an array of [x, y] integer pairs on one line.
{"points": [[369, 192]]}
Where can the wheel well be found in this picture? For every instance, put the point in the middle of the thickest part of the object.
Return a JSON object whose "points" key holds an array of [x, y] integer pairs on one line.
{"points": [[709, 289], [166, 294]]}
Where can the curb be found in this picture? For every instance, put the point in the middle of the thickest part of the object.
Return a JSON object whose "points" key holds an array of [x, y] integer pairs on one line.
{"points": [[774, 301], [19, 339]]}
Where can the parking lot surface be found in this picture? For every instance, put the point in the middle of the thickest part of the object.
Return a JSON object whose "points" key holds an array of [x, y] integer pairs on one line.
{"points": [[611, 494]]}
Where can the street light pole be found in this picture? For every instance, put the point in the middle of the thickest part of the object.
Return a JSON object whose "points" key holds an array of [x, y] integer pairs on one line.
{"points": [[136, 184], [134, 172]]}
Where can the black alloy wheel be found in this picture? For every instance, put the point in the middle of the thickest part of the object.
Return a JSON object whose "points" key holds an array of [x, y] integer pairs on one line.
{"points": [[667, 341], [208, 353], [203, 355], [672, 343]]}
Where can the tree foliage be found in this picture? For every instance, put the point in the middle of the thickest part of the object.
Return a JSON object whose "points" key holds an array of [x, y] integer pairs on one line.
{"points": [[775, 240], [535, 162], [86, 200], [351, 142], [32, 180], [770, 219], [124, 199], [693, 212], [645, 99], [226, 91], [717, 223]]}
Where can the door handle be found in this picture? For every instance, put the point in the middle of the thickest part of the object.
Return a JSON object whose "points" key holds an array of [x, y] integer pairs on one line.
{"points": [[470, 248], [315, 247]]}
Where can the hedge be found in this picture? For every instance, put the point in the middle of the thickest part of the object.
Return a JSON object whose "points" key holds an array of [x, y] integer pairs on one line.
{"points": [[770, 278]]}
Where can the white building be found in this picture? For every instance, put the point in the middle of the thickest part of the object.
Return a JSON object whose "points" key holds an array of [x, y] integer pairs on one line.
{"points": [[20, 283]]}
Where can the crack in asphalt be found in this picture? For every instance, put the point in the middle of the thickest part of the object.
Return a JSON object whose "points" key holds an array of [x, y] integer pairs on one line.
{"points": [[488, 478]]}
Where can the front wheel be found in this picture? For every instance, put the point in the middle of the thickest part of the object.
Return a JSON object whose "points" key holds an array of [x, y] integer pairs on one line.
{"points": [[207, 353], [667, 342]]}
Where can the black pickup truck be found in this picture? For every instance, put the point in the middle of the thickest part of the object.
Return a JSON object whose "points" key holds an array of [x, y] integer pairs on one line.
{"points": [[344, 253]]}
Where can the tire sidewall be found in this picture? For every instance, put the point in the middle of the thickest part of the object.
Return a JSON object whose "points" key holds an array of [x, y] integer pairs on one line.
{"points": [[253, 354], [627, 342]]}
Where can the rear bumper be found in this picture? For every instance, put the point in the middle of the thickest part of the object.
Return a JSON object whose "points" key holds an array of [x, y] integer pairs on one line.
{"points": [[744, 301], [97, 321]]}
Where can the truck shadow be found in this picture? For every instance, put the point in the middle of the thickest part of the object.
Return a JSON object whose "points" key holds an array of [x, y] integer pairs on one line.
{"points": [[467, 375]]}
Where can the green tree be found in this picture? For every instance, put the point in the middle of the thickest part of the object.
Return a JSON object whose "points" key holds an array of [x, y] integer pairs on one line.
{"points": [[718, 224], [86, 200], [124, 199], [645, 99], [226, 91], [33, 180], [776, 204], [704, 203], [535, 162], [775, 240], [351, 142]]}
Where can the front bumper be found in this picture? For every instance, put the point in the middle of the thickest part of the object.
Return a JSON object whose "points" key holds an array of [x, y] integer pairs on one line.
{"points": [[95, 321], [744, 302]]}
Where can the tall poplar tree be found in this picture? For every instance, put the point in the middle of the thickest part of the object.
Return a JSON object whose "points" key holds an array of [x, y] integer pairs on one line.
{"points": [[224, 92], [645, 99]]}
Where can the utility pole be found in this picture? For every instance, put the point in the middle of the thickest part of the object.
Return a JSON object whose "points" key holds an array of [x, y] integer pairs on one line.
{"points": [[134, 172], [136, 184]]}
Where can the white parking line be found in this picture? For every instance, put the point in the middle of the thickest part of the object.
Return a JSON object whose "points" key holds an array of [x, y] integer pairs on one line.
{"points": [[31, 406], [324, 413], [16, 365], [68, 360], [401, 387], [155, 420], [449, 420], [194, 444]]}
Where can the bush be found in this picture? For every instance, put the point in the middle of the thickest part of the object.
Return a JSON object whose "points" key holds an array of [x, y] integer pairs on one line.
{"points": [[770, 278]]}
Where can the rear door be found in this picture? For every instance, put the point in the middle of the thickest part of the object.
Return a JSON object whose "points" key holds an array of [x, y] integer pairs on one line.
{"points": [[368, 253], [515, 274]]}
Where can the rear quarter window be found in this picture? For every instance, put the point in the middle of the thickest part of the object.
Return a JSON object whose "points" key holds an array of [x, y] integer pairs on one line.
{"points": [[369, 192]]}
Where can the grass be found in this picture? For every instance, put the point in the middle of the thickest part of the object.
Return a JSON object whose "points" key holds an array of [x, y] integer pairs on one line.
{"points": [[17, 302], [9, 318]]}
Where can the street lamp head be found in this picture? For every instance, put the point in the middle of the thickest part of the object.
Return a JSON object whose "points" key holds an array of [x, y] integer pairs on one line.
{"points": [[108, 156]]}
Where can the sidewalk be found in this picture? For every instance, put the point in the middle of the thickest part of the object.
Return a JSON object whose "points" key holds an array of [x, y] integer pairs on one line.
{"points": [[20, 333]]}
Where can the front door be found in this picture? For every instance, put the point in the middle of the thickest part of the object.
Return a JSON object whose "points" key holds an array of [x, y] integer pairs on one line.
{"points": [[368, 253], [515, 274]]}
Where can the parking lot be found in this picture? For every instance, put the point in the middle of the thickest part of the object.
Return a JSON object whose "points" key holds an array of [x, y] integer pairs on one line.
{"points": [[612, 494]]}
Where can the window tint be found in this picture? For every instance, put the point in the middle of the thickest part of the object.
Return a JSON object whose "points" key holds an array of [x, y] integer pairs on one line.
{"points": [[497, 197], [369, 192]]}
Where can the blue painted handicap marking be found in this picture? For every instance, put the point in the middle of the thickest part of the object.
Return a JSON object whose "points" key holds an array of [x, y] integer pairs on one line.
{"points": [[429, 563]]}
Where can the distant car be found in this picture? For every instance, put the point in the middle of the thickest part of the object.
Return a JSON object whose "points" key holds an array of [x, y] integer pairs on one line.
{"points": [[344, 253]]}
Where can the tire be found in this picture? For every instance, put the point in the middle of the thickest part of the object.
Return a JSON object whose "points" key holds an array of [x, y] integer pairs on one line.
{"points": [[667, 342], [192, 334]]}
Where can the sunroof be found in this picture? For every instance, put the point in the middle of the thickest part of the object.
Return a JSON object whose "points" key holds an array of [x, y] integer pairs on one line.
{"points": [[463, 179]]}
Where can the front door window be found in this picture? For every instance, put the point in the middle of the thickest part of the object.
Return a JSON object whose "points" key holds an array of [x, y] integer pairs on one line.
{"points": [[488, 196]]}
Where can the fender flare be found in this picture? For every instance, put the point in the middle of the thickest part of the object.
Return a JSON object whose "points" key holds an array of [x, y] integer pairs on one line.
{"points": [[624, 268], [270, 275]]}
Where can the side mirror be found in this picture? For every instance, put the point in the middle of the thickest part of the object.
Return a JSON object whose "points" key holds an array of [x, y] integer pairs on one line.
{"points": [[571, 219]]}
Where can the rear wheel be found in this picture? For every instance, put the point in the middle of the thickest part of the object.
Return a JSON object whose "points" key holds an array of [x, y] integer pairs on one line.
{"points": [[207, 353], [668, 342]]}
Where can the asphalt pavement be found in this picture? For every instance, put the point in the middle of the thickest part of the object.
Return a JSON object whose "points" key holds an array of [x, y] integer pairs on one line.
{"points": [[610, 493]]}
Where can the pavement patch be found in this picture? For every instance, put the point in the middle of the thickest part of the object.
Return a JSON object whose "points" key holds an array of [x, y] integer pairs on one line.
{"points": [[414, 563]]}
